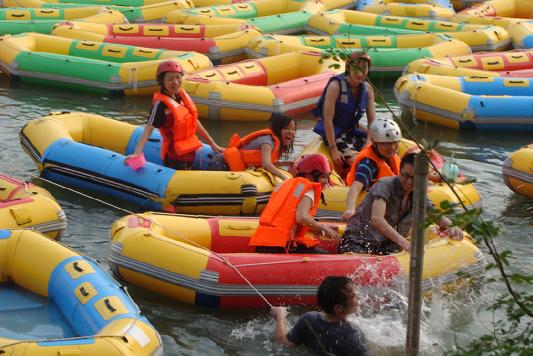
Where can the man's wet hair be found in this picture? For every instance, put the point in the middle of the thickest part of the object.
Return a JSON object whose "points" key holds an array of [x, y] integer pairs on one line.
{"points": [[409, 158], [332, 291]]}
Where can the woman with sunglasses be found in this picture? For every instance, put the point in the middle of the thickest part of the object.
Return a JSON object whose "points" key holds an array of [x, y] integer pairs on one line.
{"points": [[374, 162], [384, 217], [346, 98], [290, 211]]}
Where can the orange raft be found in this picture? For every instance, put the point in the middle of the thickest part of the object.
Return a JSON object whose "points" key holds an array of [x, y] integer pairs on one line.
{"points": [[206, 261]]}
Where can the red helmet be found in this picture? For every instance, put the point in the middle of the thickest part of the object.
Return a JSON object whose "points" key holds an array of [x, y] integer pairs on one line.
{"points": [[355, 57], [313, 162], [169, 66]]}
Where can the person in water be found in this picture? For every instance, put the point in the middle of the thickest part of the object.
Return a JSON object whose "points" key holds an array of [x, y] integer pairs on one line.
{"points": [[326, 332], [260, 149], [175, 115], [346, 98], [290, 211], [383, 220], [375, 161]]}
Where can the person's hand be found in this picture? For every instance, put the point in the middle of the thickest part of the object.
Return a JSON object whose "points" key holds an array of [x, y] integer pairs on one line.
{"points": [[278, 312], [330, 231], [406, 245], [128, 157], [217, 148], [338, 159], [347, 214], [455, 233]]}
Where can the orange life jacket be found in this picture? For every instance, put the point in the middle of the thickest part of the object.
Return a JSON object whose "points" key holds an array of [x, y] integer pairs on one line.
{"points": [[182, 132], [279, 217], [384, 170], [239, 159]]}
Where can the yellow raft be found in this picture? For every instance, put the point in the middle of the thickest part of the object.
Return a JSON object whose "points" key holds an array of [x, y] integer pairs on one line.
{"points": [[408, 8], [93, 317], [25, 205], [92, 66], [478, 37], [518, 171], [190, 260], [254, 90]]}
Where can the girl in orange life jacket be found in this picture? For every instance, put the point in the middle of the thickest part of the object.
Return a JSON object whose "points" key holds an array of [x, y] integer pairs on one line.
{"points": [[291, 208], [374, 162], [346, 98], [175, 115], [262, 148]]}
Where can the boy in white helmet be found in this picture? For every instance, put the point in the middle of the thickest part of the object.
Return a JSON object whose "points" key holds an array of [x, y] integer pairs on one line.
{"points": [[374, 162]]}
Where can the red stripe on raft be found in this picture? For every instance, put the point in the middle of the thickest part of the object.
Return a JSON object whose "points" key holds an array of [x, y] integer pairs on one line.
{"points": [[8, 203], [290, 271], [178, 44], [301, 89]]}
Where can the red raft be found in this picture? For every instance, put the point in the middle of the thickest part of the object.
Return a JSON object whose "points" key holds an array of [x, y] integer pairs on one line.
{"points": [[208, 262]]}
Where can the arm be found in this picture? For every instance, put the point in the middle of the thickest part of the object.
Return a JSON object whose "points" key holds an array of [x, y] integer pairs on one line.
{"points": [[205, 135], [266, 161], [370, 106], [351, 199], [280, 332], [330, 101], [378, 221], [304, 218], [148, 129]]}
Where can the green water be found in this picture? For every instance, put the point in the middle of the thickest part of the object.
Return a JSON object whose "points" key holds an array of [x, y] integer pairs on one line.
{"points": [[190, 330]]}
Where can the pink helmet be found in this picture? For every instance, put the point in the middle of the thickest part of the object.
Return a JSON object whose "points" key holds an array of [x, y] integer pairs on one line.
{"points": [[169, 66], [313, 162]]}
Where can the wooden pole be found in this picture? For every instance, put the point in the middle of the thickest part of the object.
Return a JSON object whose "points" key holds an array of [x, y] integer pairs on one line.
{"points": [[417, 255]]}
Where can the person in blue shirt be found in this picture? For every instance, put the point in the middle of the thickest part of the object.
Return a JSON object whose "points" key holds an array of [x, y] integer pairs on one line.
{"points": [[326, 332], [346, 98]]}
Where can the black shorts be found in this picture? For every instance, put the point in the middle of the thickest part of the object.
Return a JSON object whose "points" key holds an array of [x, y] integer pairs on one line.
{"points": [[351, 242]]}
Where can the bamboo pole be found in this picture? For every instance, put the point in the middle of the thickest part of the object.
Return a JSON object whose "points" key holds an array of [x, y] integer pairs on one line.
{"points": [[417, 255]]}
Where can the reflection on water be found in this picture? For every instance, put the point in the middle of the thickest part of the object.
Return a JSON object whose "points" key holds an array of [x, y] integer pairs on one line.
{"points": [[191, 330]]}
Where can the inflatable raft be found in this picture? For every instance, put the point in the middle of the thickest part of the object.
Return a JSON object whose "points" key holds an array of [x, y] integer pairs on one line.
{"points": [[518, 171], [390, 53], [256, 89], [26, 206], [19, 20], [478, 37], [87, 152], [131, 13], [83, 65], [279, 16], [54, 291], [482, 103], [501, 8], [199, 261], [225, 48], [441, 9], [494, 64]]}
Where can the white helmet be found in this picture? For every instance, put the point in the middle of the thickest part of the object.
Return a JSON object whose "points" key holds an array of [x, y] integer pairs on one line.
{"points": [[385, 130]]}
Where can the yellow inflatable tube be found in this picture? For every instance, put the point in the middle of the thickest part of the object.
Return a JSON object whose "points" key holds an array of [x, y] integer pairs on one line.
{"points": [[26, 206], [104, 319], [518, 171]]}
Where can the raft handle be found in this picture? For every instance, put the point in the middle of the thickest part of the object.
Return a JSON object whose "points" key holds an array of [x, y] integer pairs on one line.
{"points": [[17, 15], [205, 11], [84, 292], [465, 60], [516, 81], [224, 10], [391, 19], [232, 72], [114, 50], [155, 29], [145, 51], [77, 267], [210, 75], [317, 40], [379, 40], [418, 23], [242, 6], [446, 25], [125, 28], [348, 43], [88, 44], [109, 306], [493, 63], [186, 28], [518, 57], [47, 11]]}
